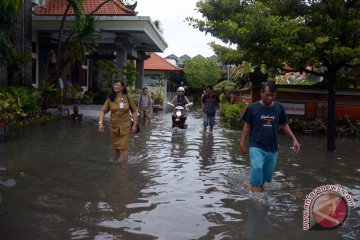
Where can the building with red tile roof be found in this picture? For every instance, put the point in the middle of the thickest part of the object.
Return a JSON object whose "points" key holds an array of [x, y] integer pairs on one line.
{"points": [[161, 75], [157, 63], [112, 8], [124, 37]]}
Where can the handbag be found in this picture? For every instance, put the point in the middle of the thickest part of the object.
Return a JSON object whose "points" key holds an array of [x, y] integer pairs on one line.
{"points": [[132, 120]]}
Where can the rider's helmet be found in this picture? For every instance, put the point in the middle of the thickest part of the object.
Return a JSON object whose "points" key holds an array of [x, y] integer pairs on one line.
{"points": [[181, 89]]}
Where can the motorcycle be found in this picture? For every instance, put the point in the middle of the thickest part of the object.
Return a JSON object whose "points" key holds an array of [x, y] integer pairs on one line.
{"points": [[179, 115]]}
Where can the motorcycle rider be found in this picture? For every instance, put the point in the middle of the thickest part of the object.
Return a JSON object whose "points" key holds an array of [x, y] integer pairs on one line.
{"points": [[180, 100]]}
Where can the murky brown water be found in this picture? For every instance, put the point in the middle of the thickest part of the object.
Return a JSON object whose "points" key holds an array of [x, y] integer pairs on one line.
{"points": [[59, 181]]}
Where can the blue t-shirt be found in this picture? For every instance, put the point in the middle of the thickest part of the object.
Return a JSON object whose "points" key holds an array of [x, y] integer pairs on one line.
{"points": [[265, 123]]}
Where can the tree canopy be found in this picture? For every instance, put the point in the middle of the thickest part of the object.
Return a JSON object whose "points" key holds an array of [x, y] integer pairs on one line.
{"points": [[200, 72], [277, 33], [288, 35]]}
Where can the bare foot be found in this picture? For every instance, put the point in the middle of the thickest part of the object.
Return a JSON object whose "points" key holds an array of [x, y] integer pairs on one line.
{"points": [[247, 184]]}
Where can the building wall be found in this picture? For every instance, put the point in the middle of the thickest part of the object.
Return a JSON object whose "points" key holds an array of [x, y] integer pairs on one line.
{"points": [[23, 41], [309, 104], [155, 83]]}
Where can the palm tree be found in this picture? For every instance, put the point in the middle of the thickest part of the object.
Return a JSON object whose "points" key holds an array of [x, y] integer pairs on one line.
{"points": [[83, 36], [81, 39]]}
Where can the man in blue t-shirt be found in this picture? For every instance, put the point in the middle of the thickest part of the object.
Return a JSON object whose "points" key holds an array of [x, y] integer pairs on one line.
{"points": [[263, 119]]}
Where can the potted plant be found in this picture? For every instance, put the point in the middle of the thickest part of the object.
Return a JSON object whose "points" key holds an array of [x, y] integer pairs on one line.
{"points": [[158, 100]]}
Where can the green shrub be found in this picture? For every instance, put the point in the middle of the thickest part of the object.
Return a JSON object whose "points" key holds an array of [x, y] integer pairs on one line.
{"points": [[233, 113], [225, 85], [10, 106], [101, 96], [88, 97], [344, 127], [19, 100], [29, 98], [223, 98]]}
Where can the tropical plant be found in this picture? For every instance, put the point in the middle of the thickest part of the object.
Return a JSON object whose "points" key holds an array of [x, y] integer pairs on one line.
{"points": [[242, 72], [29, 98], [83, 35], [158, 97], [233, 113], [88, 97], [77, 92], [50, 95], [109, 72], [130, 74], [293, 33], [82, 41], [10, 106], [158, 25]]}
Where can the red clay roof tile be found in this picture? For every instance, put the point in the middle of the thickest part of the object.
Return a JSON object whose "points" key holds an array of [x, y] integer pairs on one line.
{"points": [[57, 7], [157, 63]]}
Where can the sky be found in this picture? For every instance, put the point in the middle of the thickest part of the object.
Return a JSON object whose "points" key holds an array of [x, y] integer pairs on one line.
{"points": [[180, 37]]}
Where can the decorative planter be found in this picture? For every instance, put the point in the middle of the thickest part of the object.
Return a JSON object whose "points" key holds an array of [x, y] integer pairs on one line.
{"points": [[158, 107]]}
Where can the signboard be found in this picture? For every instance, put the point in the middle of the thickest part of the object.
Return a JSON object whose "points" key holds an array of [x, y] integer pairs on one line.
{"points": [[294, 108]]}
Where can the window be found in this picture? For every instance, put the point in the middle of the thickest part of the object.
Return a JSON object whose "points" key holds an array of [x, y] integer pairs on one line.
{"points": [[33, 65], [84, 77], [33, 62]]}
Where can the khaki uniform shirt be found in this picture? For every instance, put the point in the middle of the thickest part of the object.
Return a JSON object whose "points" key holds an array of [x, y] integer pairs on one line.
{"points": [[120, 121]]}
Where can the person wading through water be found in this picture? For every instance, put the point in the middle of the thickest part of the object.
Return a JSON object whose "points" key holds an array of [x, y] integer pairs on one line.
{"points": [[263, 119]]}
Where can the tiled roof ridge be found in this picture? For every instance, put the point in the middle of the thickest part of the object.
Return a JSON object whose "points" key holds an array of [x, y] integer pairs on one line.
{"points": [[167, 62], [57, 7], [158, 63]]}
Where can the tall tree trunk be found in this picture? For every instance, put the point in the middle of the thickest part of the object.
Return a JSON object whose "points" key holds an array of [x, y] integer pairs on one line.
{"points": [[59, 53], [331, 116]]}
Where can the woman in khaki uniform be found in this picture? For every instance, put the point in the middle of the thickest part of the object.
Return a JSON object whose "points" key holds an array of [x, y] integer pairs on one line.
{"points": [[119, 103]]}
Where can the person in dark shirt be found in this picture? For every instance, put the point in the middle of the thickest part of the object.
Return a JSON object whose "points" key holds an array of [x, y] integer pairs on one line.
{"points": [[210, 102], [263, 119], [76, 115]]}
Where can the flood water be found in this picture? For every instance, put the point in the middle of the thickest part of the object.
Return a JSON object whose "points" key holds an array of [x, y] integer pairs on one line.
{"points": [[60, 181]]}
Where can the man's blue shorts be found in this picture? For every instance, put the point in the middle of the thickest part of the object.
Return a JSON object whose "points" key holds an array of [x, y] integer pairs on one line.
{"points": [[209, 120], [262, 165]]}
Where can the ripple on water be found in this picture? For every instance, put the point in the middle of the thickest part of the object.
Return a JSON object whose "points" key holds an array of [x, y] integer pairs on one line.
{"points": [[78, 233], [179, 184]]}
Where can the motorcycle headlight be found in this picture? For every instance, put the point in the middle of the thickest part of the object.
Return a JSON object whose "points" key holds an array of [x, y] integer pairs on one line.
{"points": [[178, 113]]}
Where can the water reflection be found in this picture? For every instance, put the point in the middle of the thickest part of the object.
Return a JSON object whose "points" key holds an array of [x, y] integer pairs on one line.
{"points": [[206, 150], [178, 143], [257, 222], [59, 180]]}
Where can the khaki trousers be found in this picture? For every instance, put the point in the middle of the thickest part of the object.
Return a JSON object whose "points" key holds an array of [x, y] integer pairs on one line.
{"points": [[147, 112]]}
